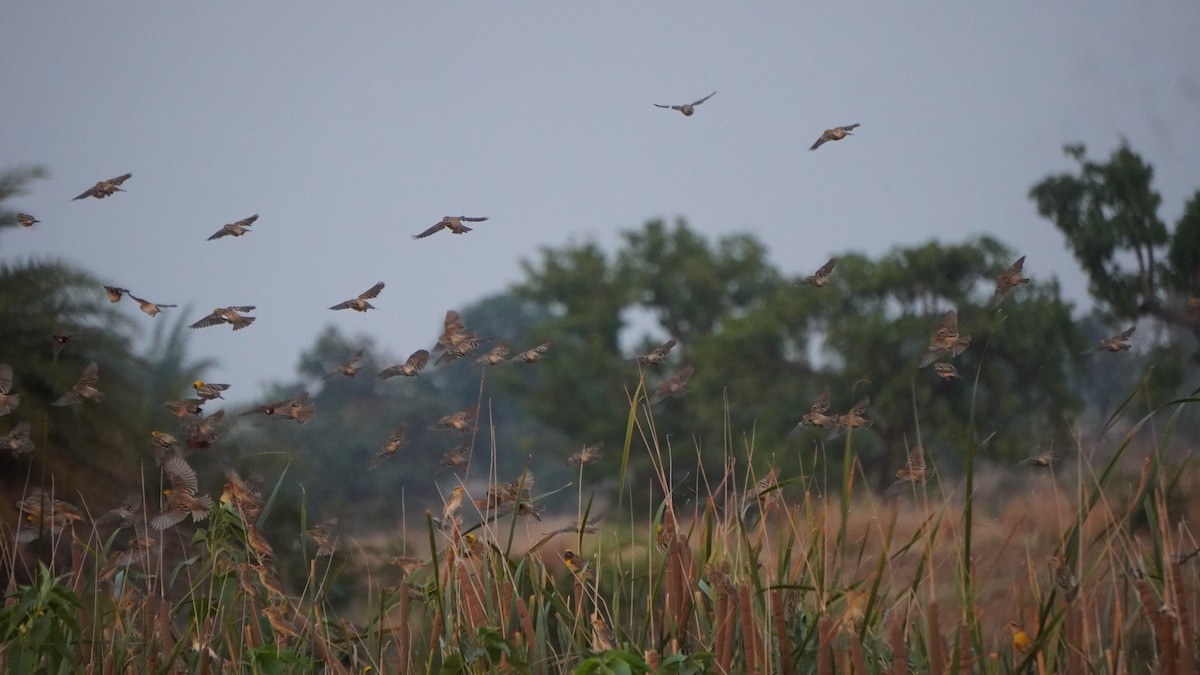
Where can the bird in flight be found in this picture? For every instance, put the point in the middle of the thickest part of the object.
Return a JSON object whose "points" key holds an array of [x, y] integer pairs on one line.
{"points": [[1008, 280], [820, 278], [656, 355], [816, 417], [8, 402], [84, 389], [532, 355], [105, 188], [229, 315], [360, 303], [235, 229], [452, 223], [1116, 343], [349, 368], [115, 293], [410, 368], [26, 220], [688, 109], [676, 386], [946, 340], [151, 308], [835, 134]]}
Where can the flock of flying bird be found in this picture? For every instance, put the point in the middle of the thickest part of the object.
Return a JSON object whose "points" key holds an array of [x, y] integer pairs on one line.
{"points": [[184, 498]]}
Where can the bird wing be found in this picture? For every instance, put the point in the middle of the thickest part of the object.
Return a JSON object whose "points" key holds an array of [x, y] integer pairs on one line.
{"points": [[344, 305], [220, 233], [1127, 334], [247, 222], [668, 107], [119, 179], [372, 292], [1017, 267], [90, 374], [6, 378], [850, 127], [87, 193], [822, 403], [210, 320], [430, 231], [479, 219], [695, 103], [827, 268], [820, 141], [418, 359], [861, 407]]}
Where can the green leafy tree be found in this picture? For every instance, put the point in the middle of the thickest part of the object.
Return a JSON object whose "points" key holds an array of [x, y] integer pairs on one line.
{"points": [[1108, 213]]}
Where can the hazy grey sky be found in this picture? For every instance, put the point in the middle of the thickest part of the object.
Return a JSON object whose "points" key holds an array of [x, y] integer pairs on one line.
{"points": [[350, 126]]}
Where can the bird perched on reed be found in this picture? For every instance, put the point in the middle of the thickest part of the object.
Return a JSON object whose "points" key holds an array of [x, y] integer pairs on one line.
{"points": [[575, 563], [1116, 343], [207, 391], [8, 400], [816, 417], [674, 386], [236, 229], [84, 389], [460, 421], [183, 498], [835, 134], [688, 109], [233, 315], [657, 355], [104, 188], [1007, 281], [946, 371], [410, 368], [946, 340], [603, 637], [852, 419], [26, 220], [452, 223], [1020, 639], [821, 277], [496, 355], [18, 440], [360, 303], [349, 368], [913, 473], [533, 354], [1064, 578], [396, 440], [151, 308]]}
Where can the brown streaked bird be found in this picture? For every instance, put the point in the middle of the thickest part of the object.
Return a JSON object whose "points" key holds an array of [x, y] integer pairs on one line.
{"points": [[657, 355], [820, 278], [852, 419], [350, 368], [182, 497], [18, 441], [151, 308], [1007, 281], [406, 564], [673, 387], [463, 344], [84, 389], [26, 220], [296, 408], [495, 355], [234, 229], [125, 514], [360, 303], [816, 417], [765, 493], [57, 342], [115, 292], [588, 454], [8, 401], [946, 371], [185, 407], [203, 431], [280, 624], [532, 355], [105, 188], [452, 328], [208, 391], [913, 473], [1064, 578], [323, 536], [1043, 459], [1116, 343], [688, 109], [452, 223], [410, 368], [835, 134], [459, 421], [458, 457], [603, 637], [232, 315], [44, 515], [946, 340], [396, 440]]}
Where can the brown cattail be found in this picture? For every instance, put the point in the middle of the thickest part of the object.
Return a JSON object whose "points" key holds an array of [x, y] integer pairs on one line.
{"points": [[964, 649], [749, 630], [856, 654], [937, 648], [826, 631], [527, 625], [899, 645], [781, 636], [403, 647], [723, 624]]}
